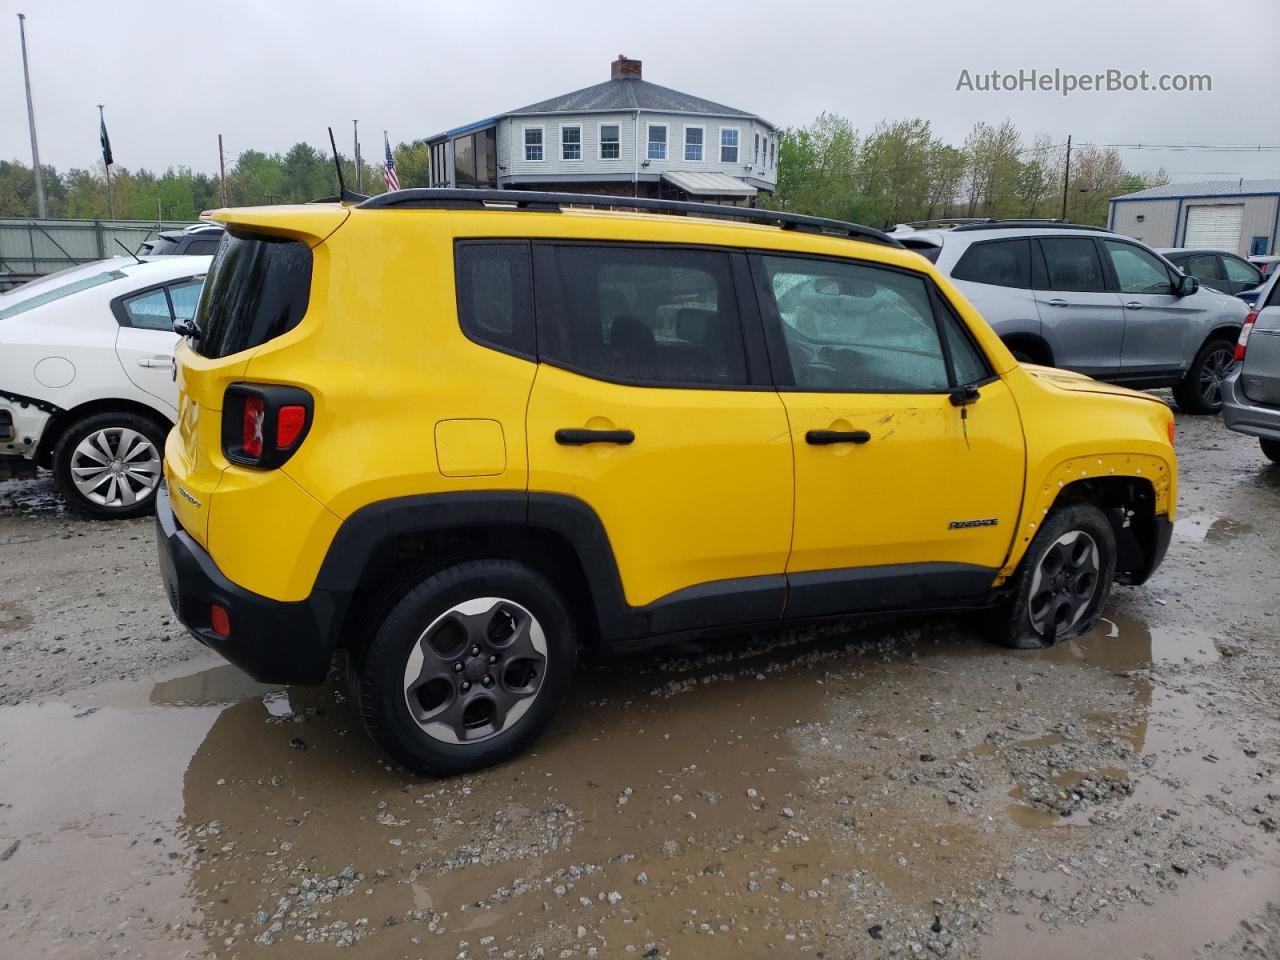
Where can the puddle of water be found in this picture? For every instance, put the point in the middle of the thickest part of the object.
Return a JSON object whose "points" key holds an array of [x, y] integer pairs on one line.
{"points": [[1123, 642], [1196, 529]]}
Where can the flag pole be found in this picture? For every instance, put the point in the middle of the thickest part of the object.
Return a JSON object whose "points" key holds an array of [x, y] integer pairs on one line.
{"points": [[42, 207], [111, 212]]}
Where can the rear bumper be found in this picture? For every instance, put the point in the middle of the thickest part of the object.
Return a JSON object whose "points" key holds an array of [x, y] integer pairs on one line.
{"points": [[22, 423], [1246, 416], [271, 640]]}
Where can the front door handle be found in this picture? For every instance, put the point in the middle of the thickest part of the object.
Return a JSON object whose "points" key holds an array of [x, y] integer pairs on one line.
{"points": [[1133, 305], [822, 438], [1058, 302], [155, 361], [577, 438]]}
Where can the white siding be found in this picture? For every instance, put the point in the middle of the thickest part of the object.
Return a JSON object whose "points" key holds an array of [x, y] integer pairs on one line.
{"points": [[511, 147]]}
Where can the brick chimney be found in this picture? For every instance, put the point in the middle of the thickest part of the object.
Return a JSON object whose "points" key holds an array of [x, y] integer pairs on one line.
{"points": [[622, 68]]}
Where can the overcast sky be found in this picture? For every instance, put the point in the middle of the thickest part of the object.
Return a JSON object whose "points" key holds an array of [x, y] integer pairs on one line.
{"points": [[266, 74]]}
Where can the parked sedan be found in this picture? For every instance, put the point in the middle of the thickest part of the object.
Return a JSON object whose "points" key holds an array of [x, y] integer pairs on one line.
{"points": [[1251, 392], [1219, 270], [86, 377]]}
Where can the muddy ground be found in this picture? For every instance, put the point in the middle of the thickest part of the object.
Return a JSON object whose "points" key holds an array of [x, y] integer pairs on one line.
{"points": [[893, 789]]}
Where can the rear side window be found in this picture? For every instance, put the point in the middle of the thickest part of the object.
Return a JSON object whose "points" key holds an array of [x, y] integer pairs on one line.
{"points": [[648, 315], [1072, 264], [150, 311], [203, 247], [1004, 263], [495, 294], [256, 290]]}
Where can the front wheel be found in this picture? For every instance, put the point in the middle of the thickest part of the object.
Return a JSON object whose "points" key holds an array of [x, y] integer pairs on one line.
{"points": [[1063, 581], [1270, 449], [467, 669], [108, 465], [1200, 391]]}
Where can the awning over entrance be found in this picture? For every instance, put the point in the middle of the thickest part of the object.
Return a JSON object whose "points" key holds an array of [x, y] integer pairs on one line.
{"points": [[709, 184]]}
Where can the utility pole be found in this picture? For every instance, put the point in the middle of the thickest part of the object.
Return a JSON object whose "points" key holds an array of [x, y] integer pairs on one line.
{"points": [[1066, 178], [41, 206], [111, 210], [222, 170]]}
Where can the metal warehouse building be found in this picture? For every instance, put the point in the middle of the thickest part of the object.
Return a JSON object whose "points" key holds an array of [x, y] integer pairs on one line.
{"points": [[1238, 215]]}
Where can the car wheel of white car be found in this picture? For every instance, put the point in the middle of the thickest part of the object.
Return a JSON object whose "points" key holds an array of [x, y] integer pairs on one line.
{"points": [[108, 465]]}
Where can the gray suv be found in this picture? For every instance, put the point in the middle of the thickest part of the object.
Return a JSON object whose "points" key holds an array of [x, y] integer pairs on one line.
{"points": [[1252, 389], [1090, 300]]}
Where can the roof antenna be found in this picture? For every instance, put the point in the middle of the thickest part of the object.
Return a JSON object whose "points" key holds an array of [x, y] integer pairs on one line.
{"points": [[130, 252], [344, 195]]}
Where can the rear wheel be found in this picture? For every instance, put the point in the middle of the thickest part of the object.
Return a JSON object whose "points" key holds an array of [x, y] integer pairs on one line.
{"points": [[108, 465], [1063, 581], [467, 669], [1270, 449], [1200, 391]]}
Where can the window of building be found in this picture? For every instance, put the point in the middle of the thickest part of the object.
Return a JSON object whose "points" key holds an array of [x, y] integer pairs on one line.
{"points": [[693, 143], [650, 315], [728, 144], [533, 143], [571, 143], [657, 141], [755, 157], [849, 327], [1003, 263], [494, 281], [475, 159], [610, 141]]}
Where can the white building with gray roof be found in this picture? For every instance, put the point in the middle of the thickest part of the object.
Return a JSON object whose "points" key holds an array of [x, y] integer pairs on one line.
{"points": [[1242, 216], [625, 136]]}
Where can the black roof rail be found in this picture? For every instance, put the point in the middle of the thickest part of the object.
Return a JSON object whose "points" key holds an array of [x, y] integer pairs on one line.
{"points": [[442, 198], [1026, 223]]}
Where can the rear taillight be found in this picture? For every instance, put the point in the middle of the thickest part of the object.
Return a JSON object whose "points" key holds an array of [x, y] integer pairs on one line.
{"points": [[263, 424], [1242, 343]]}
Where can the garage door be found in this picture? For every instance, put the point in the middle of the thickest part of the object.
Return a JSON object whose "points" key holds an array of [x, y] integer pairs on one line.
{"points": [[1215, 227]]}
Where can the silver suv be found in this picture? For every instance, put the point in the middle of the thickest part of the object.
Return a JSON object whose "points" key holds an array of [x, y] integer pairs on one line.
{"points": [[1090, 300]]}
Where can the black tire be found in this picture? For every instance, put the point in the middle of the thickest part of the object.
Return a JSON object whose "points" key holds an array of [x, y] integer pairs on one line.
{"points": [[1270, 449], [380, 665], [1026, 622], [129, 441], [1200, 391]]}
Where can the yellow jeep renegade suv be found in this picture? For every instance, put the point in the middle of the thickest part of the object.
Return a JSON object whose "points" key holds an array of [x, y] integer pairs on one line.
{"points": [[465, 433]]}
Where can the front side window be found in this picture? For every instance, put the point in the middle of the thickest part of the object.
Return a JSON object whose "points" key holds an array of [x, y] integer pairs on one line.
{"points": [[494, 279], [610, 142], [533, 143], [1137, 271], [693, 143], [571, 143], [729, 145], [1238, 271], [150, 310], [850, 327], [656, 315], [1003, 263], [657, 141], [1202, 266], [1071, 264]]}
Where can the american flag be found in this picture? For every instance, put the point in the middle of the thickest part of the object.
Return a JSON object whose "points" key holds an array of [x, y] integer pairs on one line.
{"points": [[389, 168]]}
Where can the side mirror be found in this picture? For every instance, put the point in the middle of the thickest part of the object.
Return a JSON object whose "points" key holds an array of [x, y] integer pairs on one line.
{"points": [[185, 328], [1187, 286]]}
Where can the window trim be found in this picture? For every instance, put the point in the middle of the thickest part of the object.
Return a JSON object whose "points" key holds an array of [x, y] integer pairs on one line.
{"points": [[571, 126], [542, 136], [666, 140], [600, 142], [702, 147], [121, 314], [737, 147], [549, 305], [780, 355], [505, 348]]}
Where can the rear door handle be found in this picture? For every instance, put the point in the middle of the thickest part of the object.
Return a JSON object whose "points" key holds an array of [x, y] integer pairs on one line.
{"points": [[1133, 305], [155, 361], [1058, 302], [577, 438], [822, 438]]}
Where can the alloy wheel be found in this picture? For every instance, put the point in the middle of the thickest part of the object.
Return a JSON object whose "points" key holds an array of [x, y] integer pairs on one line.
{"points": [[475, 670], [1212, 372], [115, 467], [1065, 583]]}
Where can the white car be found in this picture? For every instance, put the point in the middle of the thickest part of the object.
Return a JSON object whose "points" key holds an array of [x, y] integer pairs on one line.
{"points": [[86, 376]]}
